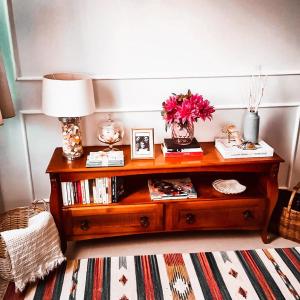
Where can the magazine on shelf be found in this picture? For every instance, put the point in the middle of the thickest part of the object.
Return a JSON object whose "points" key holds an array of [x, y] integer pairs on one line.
{"points": [[231, 149], [179, 188]]}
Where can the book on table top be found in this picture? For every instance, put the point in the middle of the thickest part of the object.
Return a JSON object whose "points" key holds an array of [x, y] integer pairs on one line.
{"points": [[171, 146], [173, 188], [178, 154], [105, 159], [231, 149]]}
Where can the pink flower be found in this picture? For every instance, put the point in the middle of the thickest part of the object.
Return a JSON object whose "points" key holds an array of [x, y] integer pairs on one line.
{"points": [[185, 112], [186, 108], [170, 104]]}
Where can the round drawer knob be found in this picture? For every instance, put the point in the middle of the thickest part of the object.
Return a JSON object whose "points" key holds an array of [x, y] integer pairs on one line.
{"points": [[190, 218], [247, 215], [144, 220], [84, 225]]}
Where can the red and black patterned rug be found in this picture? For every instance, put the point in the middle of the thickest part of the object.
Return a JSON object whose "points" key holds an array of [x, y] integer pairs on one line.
{"points": [[249, 274]]}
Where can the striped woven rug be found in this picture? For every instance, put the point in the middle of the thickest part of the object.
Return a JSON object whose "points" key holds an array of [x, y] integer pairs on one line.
{"points": [[250, 274]]}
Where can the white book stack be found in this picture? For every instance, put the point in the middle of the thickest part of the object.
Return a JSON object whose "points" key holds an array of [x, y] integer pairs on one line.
{"points": [[105, 159], [231, 149]]}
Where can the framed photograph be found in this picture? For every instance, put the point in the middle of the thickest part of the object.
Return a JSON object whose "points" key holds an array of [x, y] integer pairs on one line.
{"points": [[142, 143]]}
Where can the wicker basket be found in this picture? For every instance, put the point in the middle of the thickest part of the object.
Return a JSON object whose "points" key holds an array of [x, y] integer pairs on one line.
{"points": [[13, 219], [289, 226]]}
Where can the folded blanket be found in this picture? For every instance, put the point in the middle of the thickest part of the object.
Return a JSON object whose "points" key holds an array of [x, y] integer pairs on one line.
{"points": [[34, 251]]}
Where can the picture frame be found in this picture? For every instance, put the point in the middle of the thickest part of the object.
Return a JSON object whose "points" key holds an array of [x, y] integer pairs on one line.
{"points": [[142, 143]]}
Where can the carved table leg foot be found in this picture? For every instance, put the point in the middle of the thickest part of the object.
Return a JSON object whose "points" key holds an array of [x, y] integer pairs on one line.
{"points": [[266, 237]]}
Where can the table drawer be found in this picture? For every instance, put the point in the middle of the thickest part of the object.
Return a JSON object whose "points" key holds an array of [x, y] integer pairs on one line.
{"points": [[113, 220], [238, 214]]}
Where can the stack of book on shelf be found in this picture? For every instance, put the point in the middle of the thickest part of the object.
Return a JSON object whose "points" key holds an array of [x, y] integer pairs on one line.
{"points": [[229, 149], [173, 150], [105, 159], [179, 188], [103, 190]]}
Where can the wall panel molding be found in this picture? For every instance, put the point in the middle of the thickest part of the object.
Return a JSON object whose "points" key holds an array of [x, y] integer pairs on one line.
{"points": [[154, 109], [294, 148], [169, 76]]}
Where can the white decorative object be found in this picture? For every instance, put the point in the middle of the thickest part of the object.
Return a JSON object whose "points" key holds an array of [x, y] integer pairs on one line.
{"points": [[230, 186], [110, 132]]}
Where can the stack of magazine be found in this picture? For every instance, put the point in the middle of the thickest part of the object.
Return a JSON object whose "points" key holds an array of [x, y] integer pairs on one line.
{"points": [[179, 188], [105, 159]]}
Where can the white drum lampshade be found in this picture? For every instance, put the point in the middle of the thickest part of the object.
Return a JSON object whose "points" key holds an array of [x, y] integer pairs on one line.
{"points": [[68, 97]]}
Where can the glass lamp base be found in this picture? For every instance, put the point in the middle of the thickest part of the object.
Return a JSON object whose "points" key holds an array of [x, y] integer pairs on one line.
{"points": [[72, 142]]}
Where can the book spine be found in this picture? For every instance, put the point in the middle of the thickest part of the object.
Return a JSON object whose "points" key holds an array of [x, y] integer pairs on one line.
{"points": [[91, 190], [87, 191], [105, 180], [98, 194], [183, 154], [120, 191], [64, 193], [113, 189], [109, 190], [72, 199], [183, 150], [74, 184], [83, 193], [79, 193], [96, 190], [68, 192], [102, 192]]}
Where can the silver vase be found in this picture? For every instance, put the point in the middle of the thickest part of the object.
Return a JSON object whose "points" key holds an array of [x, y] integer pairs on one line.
{"points": [[251, 126]]}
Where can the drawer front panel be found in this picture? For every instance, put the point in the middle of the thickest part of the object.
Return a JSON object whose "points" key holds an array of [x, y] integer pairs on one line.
{"points": [[238, 214], [113, 220]]}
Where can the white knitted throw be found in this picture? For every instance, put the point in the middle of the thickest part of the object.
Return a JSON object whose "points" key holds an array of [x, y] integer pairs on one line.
{"points": [[34, 251]]}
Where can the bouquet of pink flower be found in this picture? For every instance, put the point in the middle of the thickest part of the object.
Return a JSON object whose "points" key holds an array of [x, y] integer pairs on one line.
{"points": [[186, 108]]}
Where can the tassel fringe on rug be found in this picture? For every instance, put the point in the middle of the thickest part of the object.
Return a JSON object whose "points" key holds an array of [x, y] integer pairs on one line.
{"points": [[249, 274]]}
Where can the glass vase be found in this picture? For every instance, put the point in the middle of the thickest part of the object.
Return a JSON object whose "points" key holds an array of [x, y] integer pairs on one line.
{"points": [[72, 141], [183, 134]]}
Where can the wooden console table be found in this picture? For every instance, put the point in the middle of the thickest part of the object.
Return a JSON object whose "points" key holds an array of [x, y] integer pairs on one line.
{"points": [[136, 213]]}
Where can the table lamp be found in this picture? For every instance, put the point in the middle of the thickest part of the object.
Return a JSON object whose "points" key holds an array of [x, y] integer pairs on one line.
{"points": [[68, 97]]}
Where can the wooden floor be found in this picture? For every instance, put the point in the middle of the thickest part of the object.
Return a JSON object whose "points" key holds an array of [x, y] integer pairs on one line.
{"points": [[184, 242]]}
